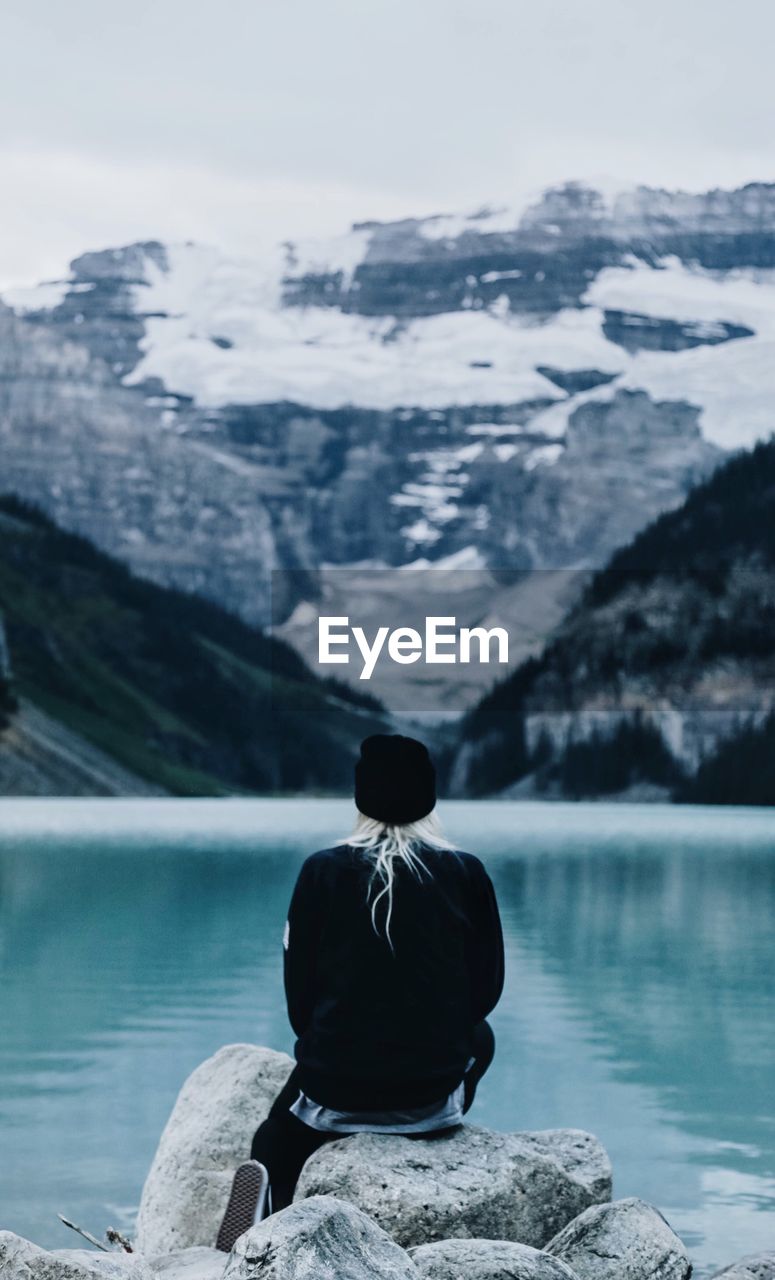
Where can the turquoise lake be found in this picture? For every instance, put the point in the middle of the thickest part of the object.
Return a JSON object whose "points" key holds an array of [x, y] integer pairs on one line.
{"points": [[136, 937]]}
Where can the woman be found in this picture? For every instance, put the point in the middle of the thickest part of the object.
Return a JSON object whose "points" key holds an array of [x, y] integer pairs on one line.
{"points": [[393, 960]]}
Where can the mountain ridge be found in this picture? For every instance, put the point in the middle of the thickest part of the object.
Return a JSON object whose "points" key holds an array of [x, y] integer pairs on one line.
{"points": [[146, 689], [664, 668], [212, 420]]}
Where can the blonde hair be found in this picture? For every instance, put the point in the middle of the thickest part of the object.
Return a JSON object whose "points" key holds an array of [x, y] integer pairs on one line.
{"points": [[387, 845]]}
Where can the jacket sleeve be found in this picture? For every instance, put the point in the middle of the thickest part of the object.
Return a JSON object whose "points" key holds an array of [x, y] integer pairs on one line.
{"points": [[300, 949], [487, 960]]}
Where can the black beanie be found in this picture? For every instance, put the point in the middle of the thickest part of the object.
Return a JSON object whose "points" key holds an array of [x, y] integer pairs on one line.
{"points": [[395, 781]]}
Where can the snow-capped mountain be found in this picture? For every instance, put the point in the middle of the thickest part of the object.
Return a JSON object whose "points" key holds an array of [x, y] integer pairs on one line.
{"points": [[500, 389]]}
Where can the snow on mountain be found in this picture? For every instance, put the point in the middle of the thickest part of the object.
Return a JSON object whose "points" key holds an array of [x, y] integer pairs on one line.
{"points": [[688, 293], [216, 329], [731, 382], [228, 331], [328, 358], [448, 226]]}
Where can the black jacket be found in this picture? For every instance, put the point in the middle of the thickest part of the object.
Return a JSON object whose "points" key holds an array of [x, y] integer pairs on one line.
{"points": [[380, 1028]]}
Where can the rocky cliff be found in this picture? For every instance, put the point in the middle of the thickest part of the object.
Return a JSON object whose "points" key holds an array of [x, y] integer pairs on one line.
{"points": [[98, 458]]}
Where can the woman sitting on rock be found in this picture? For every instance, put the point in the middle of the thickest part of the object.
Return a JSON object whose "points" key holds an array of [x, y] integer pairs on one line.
{"points": [[393, 960]]}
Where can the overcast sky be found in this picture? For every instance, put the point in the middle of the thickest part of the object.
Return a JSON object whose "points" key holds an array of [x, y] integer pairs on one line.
{"points": [[243, 119]]}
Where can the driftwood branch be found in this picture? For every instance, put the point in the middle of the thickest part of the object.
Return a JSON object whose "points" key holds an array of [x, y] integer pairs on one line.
{"points": [[87, 1235]]}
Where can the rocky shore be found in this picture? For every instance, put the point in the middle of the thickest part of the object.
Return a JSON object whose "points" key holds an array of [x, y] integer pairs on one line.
{"points": [[473, 1205]]}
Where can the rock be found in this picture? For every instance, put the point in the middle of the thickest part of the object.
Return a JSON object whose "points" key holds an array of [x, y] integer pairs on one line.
{"points": [[580, 1154], [472, 1183], [20, 1259], [486, 1260], [207, 1135], [198, 1263], [756, 1266], [107, 1266], [626, 1240], [318, 1239]]}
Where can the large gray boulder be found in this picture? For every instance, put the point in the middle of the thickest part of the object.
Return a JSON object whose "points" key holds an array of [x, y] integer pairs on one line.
{"points": [[626, 1240], [115, 1265], [471, 1183], [20, 1259], [486, 1260], [207, 1135], [318, 1239], [197, 1263], [756, 1266]]}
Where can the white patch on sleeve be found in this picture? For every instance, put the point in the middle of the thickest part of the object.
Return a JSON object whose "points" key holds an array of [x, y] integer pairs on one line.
{"points": [[286, 935]]}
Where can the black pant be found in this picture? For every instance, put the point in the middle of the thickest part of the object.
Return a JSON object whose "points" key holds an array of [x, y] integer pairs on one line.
{"points": [[283, 1143]]}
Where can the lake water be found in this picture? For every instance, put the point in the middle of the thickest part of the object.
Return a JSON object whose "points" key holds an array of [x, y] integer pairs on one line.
{"points": [[138, 937]]}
